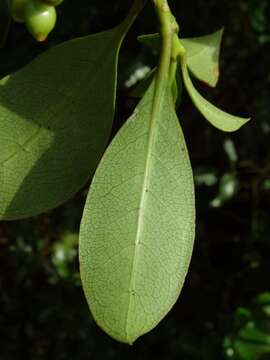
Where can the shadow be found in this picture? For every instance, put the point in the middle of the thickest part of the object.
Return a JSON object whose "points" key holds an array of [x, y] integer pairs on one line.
{"points": [[55, 121]]}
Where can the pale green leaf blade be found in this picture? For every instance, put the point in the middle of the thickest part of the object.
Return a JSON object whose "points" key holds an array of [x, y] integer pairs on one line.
{"points": [[218, 118], [142, 87], [55, 121], [137, 230], [203, 56]]}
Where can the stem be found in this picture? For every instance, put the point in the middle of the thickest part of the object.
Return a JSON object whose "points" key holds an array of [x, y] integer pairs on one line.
{"points": [[166, 32]]}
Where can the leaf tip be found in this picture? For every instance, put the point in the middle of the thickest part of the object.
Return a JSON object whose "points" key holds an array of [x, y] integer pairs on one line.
{"points": [[237, 126]]}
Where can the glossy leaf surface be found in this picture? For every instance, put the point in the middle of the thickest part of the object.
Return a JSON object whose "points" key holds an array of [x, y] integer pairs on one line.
{"points": [[137, 230], [55, 120], [218, 118]]}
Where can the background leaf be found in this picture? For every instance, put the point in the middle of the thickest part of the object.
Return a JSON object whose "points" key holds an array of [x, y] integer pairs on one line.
{"points": [[137, 230], [55, 120], [250, 339], [218, 118]]}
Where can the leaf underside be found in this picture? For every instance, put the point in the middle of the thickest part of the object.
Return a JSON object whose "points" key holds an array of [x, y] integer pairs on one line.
{"points": [[202, 54], [50, 138], [218, 118], [137, 230]]}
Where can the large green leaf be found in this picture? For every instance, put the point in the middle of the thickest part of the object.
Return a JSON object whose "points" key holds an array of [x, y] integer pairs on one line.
{"points": [[202, 54], [55, 121], [137, 230], [218, 118]]}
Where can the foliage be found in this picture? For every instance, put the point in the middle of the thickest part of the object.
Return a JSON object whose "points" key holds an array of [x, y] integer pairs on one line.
{"points": [[246, 265], [251, 339]]}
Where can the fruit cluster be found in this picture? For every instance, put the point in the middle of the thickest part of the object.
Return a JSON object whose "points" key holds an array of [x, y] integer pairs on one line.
{"points": [[39, 16]]}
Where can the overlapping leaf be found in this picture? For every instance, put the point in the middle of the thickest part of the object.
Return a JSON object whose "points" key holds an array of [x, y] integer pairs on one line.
{"points": [[137, 230], [55, 120]]}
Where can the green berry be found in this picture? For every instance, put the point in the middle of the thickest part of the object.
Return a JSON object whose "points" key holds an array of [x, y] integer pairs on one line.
{"points": [[17, 8], [40, 19]]}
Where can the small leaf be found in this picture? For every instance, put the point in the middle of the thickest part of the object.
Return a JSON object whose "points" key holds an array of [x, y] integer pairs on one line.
{"points": [[55, 121], [218, 118], [137, 229], [202, 54]]}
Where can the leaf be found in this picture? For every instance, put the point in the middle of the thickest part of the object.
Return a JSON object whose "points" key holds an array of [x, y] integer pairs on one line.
{"points": [[218, 118], [151, 40], [137, 230], [143, 85], [202, 54], [55, 120], [251, 342]]}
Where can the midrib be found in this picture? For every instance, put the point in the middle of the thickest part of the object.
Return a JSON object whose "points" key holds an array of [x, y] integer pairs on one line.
{"points": [[143, 199]]}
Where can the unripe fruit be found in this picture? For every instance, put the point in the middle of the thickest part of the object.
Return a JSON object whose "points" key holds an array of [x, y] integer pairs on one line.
{"points": [[17, 8], [40, 19]]}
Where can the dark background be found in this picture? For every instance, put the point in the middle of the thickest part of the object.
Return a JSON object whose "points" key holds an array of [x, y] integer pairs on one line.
{"points": [[43, 312]]}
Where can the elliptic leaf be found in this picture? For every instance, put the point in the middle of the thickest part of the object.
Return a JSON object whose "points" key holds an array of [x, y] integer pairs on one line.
{"points": [[137, 230], [218, 118], [202, 54], [55, 121]]}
